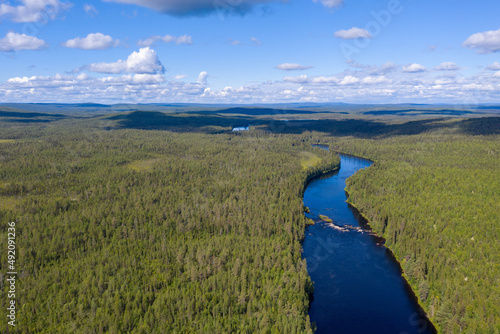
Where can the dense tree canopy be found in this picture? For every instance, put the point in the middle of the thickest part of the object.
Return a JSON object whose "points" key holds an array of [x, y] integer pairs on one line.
{"points": [[126, 226], [436, 200], [151, 231]]}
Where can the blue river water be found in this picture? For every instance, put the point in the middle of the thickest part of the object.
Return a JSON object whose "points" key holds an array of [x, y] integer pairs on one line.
{"points": [[358, 283]]}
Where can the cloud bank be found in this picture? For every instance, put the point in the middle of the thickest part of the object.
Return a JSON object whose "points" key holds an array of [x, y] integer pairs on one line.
{"points": [[141, 78]]}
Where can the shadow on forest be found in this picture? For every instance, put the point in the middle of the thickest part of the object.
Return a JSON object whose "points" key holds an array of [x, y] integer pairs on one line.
{"points": [[258, 111], [154, 120], [16, 114], [28, 117], [27, 121], [481, 126], [356, 128], [371, 129], [408, 112]]}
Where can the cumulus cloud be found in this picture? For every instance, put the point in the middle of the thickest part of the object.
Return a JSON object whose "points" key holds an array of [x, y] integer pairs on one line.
{"points": [[33, 10], [325, 80], [95, 41], [330, 3], [387, 67], [494, 67], [447, 66], [485, 42], [197, 7], [349, 80], [299, 79], [185, 39], [414, 68], [372, 80], [353, 33], [17, 42], [202, 78], [292, 67], [145, 61]]}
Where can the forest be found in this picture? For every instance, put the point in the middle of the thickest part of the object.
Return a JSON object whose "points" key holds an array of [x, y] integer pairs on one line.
{"points": [[143, 222]]}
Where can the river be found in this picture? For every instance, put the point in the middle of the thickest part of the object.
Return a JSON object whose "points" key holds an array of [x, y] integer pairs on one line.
{"points": [[358, 283]]}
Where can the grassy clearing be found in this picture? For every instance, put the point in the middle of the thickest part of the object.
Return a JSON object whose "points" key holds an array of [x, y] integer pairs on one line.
{"points": [[7, 141], [142, 165], [309, 159], [8, 203]]}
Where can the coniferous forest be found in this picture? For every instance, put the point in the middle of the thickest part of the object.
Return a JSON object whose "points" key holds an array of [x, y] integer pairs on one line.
{"points": [[147, 223]]}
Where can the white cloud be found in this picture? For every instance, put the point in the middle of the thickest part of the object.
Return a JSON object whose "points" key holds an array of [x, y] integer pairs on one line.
{"points": [[494, 67], [82, 76], [299, 79], [484, 42], [385, 68], [197, 7], [349, 80], [353, 33], [326, 80], [95, 41], [361, 84], [447, 66], [16, 42], [185, 39], [292, 67], [180, 76], [371, 80], [33, 10], [202, 78], [90, 9], [330, 3], [143, 62], [414, 68], [256, 41], [148, 78]]}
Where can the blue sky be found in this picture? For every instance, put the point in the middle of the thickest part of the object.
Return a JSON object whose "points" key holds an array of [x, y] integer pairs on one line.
{"points": [[250, 51]]}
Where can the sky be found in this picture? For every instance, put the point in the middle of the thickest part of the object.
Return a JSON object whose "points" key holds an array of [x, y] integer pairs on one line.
{"points": [[250, 51]]}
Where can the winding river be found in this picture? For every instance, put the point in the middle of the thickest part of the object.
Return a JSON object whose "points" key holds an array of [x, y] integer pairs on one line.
{"points": [[358, 283]]}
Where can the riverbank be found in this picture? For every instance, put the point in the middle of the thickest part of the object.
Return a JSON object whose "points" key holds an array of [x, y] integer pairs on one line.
{"points": [[352, 271], [391, 251], [410, 287]]}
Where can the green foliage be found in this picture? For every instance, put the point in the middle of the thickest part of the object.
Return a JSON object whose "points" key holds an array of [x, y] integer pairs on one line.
{"points": [[326, 218], [202, 236], [435, 199], [198, 230]]}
